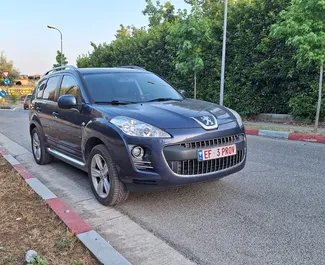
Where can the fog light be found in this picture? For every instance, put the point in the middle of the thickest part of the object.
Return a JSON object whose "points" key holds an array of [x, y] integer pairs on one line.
{"points": [[137, 152]]}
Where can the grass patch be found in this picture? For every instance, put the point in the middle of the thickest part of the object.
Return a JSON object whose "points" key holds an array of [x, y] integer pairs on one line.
{"points": [[28, 223], [9, 260], [64, 243], [253, 127], [39, 260], [77, 263]]}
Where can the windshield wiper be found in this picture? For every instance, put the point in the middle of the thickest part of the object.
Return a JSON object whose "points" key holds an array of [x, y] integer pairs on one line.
{"points": [[163, 99], [116, 102]]}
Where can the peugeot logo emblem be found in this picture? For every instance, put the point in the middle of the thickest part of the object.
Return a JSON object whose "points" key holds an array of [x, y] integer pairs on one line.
{"points": [[208, 122]]}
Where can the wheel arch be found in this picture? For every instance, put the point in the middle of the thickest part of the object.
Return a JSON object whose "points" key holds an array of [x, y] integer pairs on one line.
{"points": [[90, 144], [32, 126], [100, 131]]}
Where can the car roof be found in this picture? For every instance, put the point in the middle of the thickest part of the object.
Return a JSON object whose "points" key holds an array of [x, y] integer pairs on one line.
{"points": [[110, 70], [97, 70]]}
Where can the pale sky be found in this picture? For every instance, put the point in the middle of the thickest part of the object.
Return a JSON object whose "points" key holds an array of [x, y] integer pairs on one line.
{"points": [[27, 41]]}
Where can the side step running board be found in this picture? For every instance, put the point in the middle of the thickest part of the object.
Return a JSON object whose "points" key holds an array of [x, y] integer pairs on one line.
{"points": [[65, 157]]}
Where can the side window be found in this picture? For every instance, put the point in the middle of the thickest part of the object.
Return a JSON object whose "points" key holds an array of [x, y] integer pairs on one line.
{"points": [[69, 86], [40, 88], [49, 92]]}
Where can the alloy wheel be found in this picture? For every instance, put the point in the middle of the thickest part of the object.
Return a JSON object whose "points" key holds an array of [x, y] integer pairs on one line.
{"points": [[99, 175], [37, 146]]}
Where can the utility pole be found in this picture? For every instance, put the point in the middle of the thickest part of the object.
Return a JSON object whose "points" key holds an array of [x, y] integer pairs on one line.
{"points": [[223, 64], [51, 27]]}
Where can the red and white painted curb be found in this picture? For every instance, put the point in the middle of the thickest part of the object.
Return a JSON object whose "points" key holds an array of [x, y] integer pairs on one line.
{"points": [[314, 138], [97, 245]]}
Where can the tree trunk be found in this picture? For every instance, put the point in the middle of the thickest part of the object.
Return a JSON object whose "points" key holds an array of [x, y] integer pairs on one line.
{"points": [[194, 85], [319, 102]]}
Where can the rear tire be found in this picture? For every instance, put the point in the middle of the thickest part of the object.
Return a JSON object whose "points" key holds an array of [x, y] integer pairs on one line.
{"points": [[104, 179], [38, 147]]}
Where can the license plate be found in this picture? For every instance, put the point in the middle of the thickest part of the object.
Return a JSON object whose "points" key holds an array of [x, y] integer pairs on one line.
{"points": [[218, 152]]}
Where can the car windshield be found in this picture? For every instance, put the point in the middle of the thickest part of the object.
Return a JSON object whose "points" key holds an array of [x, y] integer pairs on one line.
{"points": [[129, 88]]}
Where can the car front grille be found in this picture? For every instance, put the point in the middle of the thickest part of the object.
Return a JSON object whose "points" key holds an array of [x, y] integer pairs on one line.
{"points": [[195, 167], [213, 142]]}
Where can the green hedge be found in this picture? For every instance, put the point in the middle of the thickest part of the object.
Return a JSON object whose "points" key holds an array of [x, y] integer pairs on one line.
{"points": [[262, 75]]}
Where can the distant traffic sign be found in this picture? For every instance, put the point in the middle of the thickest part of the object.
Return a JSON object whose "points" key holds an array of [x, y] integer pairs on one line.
{"points": [[3, 94], [5, 74], [7, 82]]}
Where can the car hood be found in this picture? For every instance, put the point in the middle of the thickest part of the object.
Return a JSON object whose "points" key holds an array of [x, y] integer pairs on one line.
{"points": [[172, 114]]}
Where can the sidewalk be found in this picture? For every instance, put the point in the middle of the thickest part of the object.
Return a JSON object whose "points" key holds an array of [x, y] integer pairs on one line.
{"points": [[282, 127]]}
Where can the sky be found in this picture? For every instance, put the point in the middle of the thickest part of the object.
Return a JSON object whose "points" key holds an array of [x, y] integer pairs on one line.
{"points": [[26, 40]]}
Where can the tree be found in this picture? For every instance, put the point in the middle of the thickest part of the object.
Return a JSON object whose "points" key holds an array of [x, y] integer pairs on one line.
{"points": [[7, 66], [83, 61], [58, 59], [189, 35], [303, 24], [261, 67], [159, 13]]}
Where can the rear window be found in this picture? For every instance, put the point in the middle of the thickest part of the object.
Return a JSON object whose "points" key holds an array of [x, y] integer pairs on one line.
{"points": [[134, 87]]}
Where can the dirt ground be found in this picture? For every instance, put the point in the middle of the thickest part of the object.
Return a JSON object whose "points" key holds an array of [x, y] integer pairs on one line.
{"points": [[26, 222]]}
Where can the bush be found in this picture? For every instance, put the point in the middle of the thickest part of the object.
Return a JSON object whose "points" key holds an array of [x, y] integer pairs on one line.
{"points": [[14, 99], [38, 260], [304, 105]]}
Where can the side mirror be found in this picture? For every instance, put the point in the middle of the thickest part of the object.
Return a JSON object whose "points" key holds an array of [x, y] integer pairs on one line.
{"points": [[184, 93], [67, 101]]}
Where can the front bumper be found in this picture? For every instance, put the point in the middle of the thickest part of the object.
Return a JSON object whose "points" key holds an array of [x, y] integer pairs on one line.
{"points": [[173, 162]]}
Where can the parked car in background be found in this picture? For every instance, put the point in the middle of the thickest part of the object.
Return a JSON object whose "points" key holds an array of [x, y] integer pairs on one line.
{"points": [[132, 131], [27, 101]]}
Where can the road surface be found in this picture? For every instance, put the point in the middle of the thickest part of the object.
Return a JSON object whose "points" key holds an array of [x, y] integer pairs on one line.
{"points": [[272, 212]]}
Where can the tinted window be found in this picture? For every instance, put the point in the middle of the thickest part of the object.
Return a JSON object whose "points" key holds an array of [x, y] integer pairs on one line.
{"points": [[69, 86], [49, 92], [135, 87], [40, 89]]}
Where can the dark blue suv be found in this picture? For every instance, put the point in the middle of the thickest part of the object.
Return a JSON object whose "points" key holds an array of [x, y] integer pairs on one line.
{"points": [[132, 131]]}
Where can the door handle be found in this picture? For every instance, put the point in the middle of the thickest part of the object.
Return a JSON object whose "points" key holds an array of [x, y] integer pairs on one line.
{"points": [[55, 114]]}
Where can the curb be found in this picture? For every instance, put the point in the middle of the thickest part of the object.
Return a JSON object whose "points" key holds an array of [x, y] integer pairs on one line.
{"points": [[98, 246], [314, 138]]}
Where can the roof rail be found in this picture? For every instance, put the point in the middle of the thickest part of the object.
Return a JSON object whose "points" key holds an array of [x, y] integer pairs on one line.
{"points": [[133, 67], [63, 67]]}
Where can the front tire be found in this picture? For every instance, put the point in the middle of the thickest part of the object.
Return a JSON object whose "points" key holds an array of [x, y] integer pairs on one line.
{"points": [[103, 177], [38, 147]]}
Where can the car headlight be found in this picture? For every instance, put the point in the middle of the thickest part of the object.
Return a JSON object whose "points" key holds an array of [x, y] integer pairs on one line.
{"points": [[238, 118], [137, 128]]}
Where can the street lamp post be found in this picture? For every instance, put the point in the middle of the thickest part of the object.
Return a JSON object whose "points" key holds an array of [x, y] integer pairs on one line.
{"points": [[51, 27], [222, 82]]}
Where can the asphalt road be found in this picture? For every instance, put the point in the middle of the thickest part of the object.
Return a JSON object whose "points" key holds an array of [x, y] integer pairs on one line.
{"points": [[272, 212]]}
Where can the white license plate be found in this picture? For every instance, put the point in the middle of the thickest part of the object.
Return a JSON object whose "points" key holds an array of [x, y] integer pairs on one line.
{"points": [[218, 152]]}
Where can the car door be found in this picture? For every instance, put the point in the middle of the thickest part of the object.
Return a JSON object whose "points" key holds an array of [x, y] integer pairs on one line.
{"points": [[45, 105], [68, 122]]}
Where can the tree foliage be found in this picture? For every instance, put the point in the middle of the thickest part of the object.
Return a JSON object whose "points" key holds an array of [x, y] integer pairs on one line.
{"points": [[263, 72], [58, 59], [7, 66], [189, 35], [303, 26]]}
